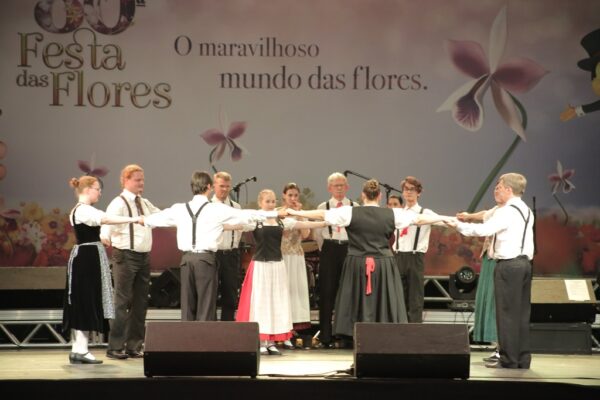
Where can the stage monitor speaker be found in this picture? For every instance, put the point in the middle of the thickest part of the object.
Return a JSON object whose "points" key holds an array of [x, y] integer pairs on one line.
{"points": [[411, 350], [165, 291], [551, 301], [193, 348]]}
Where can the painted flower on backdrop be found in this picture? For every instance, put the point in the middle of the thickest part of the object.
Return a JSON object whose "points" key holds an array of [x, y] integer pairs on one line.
{"points": [[216, 137], [518, 75], [560, 180], [90, 169]]}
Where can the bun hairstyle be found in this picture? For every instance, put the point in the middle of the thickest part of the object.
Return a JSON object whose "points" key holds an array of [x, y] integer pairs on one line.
{"points": [[371, 189], [82, 182]]}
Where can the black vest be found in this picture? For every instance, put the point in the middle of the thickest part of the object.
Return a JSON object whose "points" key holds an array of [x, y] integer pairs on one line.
{"points": [[370, 231]]}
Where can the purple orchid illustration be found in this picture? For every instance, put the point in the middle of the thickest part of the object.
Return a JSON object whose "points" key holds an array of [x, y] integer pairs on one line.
{"points": [[216, 137], [89, 169], [560, 180], [518, 75]]}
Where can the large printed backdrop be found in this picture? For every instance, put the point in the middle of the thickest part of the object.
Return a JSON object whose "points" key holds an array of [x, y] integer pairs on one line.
{"points": [[293, 91]]}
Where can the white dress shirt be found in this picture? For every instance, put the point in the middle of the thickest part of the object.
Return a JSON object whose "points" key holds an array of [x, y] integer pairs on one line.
{"points": [[225, 240], [119, 234], [508, 226], [209, 225], [406, 243], [87, 215]]}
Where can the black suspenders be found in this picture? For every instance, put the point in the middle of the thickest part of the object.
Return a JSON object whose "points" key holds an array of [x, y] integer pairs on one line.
{"points": [[329, 226], [131, 224], [417, 234], [526, 223], [194, 219]]}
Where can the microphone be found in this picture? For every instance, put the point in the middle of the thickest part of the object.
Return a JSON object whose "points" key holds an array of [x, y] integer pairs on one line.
{"points": [[238, 185], [346, 172]]}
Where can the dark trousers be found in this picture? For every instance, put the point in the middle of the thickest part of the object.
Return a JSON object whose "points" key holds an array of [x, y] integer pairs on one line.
{"points": [[228, 263], [331, 263], [512, 285], [412, 271], [131, 273], [199, 281]]}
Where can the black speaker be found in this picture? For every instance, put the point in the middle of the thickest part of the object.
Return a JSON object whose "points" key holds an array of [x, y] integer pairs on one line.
{"points": [[194, 348], [551, 301], [165, 291], [411, 350]]}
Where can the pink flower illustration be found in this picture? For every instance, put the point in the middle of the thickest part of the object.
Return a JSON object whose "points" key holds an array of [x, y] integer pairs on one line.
{"points": [[561, 179], [518, 75], [216, 137], [89, 169]]}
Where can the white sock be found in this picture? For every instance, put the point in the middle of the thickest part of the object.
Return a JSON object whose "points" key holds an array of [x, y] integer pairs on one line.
{"points": [[80, 341]]}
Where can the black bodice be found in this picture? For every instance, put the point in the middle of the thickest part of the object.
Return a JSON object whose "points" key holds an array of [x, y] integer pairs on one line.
{"points": [[268, 242], [369, 231]]}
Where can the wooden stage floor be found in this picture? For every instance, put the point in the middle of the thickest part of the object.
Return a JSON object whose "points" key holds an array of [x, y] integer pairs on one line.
{"points": [[53, 364], [297, 374]]}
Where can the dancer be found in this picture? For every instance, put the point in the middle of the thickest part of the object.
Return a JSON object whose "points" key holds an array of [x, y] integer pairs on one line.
{"points": [[131, 245], [265, 294], [333, 244], [512, 229], [88, 303], [293, 257]]}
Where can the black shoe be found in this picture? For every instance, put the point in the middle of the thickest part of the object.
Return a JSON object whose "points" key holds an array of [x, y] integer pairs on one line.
{"points": [[494, 364], [134, 354], [116, 354], [493, 357], [76, 358], [273, 351], [288, 345], [325, 346]]}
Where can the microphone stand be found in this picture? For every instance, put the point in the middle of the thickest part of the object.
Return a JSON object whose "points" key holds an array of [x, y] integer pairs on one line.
{"points": [[387, 187], [237, 187]]}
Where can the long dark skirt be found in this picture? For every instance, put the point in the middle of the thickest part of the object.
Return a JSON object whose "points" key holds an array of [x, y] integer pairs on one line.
{"points": [[85, 311], [353, 304]]}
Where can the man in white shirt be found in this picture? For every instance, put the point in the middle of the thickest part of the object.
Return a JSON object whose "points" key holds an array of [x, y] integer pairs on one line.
{"points": [[511, 228], [410, 246], [228, 254], [333, 243], [131, 245], [199, 225]]}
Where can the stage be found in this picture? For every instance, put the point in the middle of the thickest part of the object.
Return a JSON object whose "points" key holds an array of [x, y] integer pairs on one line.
{"points": [[308, 374]]}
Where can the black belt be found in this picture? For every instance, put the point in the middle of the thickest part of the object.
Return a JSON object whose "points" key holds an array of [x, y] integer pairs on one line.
{"points": [[340, 242], [227, 251], [522, 256]]}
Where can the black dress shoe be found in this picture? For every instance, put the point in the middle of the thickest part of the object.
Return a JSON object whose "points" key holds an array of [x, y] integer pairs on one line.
{"points": [[273, 351], [116, 354], [494, 357], [325, 346], [493, 364], [76, 358], [135, 354]]}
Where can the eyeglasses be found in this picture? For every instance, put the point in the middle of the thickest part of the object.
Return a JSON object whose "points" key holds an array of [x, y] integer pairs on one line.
{"points": [[409, 189]]}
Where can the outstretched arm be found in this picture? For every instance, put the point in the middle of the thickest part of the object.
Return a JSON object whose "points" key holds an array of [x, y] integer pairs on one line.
{"points": [[312, 214]]}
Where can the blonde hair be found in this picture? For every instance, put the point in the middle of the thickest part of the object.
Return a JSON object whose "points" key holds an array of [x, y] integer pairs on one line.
{"points": [[222, 175], [515, 181], [128, 171], [263, 193], [336, 176], [79, 184]]}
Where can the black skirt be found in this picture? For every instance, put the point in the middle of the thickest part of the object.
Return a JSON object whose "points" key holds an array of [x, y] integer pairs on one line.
{"points": [[385, 303]]}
